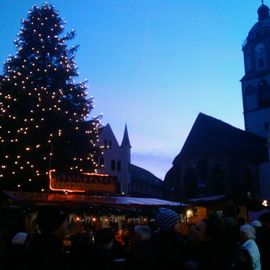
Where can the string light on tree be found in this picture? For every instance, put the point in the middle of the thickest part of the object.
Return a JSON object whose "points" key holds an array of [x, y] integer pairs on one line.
{"points": [[43, 110]]}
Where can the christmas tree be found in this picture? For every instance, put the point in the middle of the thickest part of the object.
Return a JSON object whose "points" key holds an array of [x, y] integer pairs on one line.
{"points": [[43, 110]]}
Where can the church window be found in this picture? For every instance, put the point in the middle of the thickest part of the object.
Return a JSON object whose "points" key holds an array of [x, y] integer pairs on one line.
{"points": [[266, 126], [248, 179], [218, 185], [250, 98], [263, 94], [110, 144], [248, 60], [234, 175], [190, 182], [105, 143], [202, 172], [260, 56]]}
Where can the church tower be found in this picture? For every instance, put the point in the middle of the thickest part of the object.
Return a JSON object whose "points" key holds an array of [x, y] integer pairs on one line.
{"points": [[256, 81], [115, 160]]}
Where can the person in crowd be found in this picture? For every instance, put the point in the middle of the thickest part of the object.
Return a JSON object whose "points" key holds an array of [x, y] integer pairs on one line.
{"points": [[45, 248], [141, 234], [243, 260], [123, 238], [247, 242], [203, 246], [101, 255], [139, 254], [257, 225], [230, 233], [17, 249], [167, 245], [263, 240]]}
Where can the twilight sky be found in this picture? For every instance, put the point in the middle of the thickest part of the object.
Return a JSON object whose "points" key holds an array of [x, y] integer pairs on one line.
{"points": [[153, 64]]}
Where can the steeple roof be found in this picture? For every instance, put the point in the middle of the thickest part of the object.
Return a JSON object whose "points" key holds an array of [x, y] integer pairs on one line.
{"points": [[125, 141]]}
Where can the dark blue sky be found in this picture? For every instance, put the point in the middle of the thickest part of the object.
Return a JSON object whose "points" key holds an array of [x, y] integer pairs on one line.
{"points": [[153, 64]]}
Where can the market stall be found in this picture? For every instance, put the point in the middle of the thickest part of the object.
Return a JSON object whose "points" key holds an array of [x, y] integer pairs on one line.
{"points": [[87, 211]]}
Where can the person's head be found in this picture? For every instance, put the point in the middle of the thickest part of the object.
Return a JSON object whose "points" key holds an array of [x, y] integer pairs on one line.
{"points": [[104, 238], [201, 229], [247, 232], [52, 220], [198, 231], [141, 233], [168, 220]]}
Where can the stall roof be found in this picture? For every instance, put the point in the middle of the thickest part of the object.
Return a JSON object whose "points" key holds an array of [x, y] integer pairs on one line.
{"points": [[208, 199], [82, 200]]}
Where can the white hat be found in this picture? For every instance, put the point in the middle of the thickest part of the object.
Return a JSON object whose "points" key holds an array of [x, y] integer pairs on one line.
{"points": [[19, 238]]}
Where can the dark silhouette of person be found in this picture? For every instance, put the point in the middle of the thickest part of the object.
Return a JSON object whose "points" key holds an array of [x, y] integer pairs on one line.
{"points": [[45, 249], [102, 254], [167, 245], [140, 251]]}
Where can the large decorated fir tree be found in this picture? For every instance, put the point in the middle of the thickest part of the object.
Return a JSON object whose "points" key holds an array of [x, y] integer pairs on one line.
{"points": [[43, 110]]}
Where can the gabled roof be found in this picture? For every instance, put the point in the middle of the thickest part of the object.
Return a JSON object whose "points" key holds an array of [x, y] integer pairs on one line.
{"points": [[210, 136], [107, 132], [142, 175]]}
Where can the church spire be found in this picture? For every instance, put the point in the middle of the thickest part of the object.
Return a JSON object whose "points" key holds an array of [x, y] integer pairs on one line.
{"points": [[125, 141]]}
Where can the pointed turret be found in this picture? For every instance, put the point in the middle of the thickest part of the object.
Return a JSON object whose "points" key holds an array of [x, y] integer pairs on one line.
{"points": [[125, 141]]}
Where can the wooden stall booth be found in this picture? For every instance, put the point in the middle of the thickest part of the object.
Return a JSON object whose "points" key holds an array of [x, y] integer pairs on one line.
{"points": [[93, 211]]}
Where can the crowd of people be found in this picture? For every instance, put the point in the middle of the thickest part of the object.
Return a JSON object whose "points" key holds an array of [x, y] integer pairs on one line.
{"points": [[223, 243]]}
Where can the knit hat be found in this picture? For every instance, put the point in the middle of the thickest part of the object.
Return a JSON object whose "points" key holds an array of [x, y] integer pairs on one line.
{"points": [[166, 218], [50, 218]]}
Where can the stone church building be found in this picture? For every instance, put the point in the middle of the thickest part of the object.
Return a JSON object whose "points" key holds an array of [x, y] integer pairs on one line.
{"points": [[218, 158], [116, 161]]}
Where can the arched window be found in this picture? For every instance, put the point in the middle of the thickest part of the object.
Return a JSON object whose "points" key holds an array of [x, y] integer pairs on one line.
{"points": [[248, 180], [235, 176], [260, 56], [263, 94], [202, 170], [250, 98], [218, 185], [190, 182]]}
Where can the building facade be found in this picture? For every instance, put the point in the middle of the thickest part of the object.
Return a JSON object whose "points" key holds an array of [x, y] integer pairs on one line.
{"points": [[116, 161]]}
